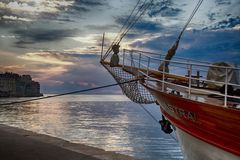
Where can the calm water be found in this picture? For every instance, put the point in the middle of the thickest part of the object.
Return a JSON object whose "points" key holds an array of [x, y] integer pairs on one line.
{"points": [[109, 122]]}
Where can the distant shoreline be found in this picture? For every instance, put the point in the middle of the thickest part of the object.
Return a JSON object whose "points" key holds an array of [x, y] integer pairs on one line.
{"points": [[40, 95]]}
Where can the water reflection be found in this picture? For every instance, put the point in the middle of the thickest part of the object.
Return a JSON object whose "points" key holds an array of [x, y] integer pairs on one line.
{"points": [[120, 126]]}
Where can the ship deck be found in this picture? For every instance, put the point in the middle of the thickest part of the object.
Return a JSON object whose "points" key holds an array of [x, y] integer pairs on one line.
{"points": [[190, 79], [204, 95]]}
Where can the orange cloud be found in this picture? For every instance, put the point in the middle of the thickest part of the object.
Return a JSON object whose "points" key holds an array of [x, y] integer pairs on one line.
{"points": [[48, 58]]}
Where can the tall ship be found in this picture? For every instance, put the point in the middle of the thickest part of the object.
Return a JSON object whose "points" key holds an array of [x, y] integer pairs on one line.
{"points": [[200, 101]]}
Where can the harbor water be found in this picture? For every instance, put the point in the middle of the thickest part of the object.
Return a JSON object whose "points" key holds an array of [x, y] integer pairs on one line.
{"points": [[110, 122]]}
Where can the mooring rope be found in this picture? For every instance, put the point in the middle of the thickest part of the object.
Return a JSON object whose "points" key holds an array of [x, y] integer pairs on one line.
{"points": [[155, 119], [80, 91], [68, 93]]}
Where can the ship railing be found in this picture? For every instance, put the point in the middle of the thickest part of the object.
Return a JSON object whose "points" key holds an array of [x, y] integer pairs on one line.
{"points": [[180, 67]]}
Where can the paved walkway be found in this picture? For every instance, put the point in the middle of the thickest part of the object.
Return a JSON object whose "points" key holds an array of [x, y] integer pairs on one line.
{"points": [[18, 144]]}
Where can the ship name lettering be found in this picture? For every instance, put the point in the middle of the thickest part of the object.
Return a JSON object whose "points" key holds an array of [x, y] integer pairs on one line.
{"points": [[182, 113]]}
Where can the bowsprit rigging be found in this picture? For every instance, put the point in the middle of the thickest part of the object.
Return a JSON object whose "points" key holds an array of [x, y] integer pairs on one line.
{"points": [[137, 12]]}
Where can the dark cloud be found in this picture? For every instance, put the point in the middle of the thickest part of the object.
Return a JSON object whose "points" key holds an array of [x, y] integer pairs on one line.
{"points": [[43, 35], [142, 25], [90, 2], [211, 16], [77, 8], [9, 18], [229, 23], [148, 26], [47, 16], [65, 19], [202, 45], [85, 5], [7, 23], [223, 2], [164, 8], [133, 35]]}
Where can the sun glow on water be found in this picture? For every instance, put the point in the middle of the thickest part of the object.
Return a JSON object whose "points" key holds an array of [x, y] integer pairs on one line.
{"points": [[110, 122], [96, 98]]}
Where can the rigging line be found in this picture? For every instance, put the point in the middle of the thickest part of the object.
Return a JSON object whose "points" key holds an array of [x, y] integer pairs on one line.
{"points": [[125, 23], [132, 24], [130, 27], [173, 137], [149, 113], [67, 93], [120, 35], [193, 12], [141, 9], [129, 17], [190, 18], [155, 119], [134, 19]]}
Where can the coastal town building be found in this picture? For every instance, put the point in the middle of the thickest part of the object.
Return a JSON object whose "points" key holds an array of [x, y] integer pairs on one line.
{"points": [[15, 85]]}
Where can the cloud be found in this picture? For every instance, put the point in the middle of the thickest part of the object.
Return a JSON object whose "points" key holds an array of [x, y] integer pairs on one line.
{"points": [[85, 51], [148, 26], [85, 73], [81, 6], [43, 35], [50, 57], [159, 43], [211, 16], [89, 2], [221, 45], [223, 2], [35, 11], [11, 68], [60, 72], [102, 28], [229, 23], [142, 25], [32, 10], [163, 8], [13, 18]]}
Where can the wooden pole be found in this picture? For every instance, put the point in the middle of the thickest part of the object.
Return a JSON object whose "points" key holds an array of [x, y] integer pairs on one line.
{"points": [[102, 45]]}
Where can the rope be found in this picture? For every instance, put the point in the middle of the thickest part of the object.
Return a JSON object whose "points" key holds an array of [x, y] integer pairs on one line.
{"points": [[149, 113], [155, 119], [184, 28], [125, 23], [68, 93], [190, 18], [129, 17], [135, 21], [173, 49]]}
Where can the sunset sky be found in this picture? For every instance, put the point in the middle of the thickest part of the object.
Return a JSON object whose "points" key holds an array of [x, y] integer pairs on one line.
{"points": [[58, 42]]}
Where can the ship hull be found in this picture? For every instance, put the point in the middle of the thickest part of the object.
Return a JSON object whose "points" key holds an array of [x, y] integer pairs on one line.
{"points": [[196, 149], [205, 131]]}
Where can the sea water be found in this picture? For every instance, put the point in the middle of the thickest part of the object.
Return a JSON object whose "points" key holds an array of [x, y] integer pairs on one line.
{"points": [[110, 122]]}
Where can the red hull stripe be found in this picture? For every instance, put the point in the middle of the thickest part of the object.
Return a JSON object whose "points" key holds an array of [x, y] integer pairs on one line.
{"points": [[215, 125]]}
